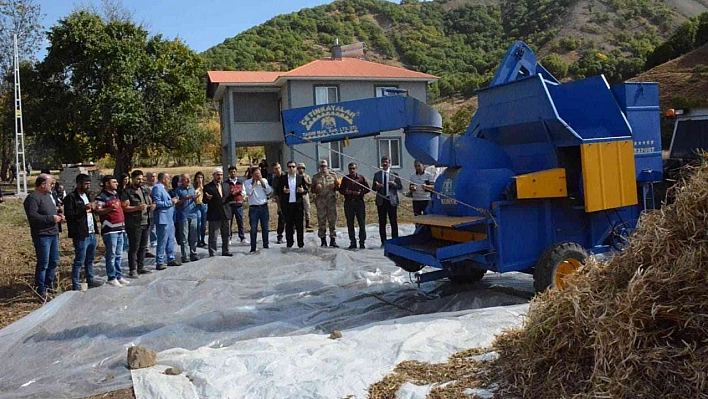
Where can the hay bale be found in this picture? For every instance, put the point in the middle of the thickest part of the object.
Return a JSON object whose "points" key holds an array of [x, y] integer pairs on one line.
{"points": [[635, 327]]}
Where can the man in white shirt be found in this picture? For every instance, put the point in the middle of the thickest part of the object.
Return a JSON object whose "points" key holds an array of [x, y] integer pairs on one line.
{"points": [[257, 191], [290, 190], [421, 185]]}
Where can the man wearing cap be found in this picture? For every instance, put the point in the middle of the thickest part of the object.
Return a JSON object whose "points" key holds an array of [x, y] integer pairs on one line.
{"points": [[78, 209], [325, 186], [306, 197], [218, 195]]}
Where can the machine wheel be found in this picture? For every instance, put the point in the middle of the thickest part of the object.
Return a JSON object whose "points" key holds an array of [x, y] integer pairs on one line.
{"points": [[406, 264], [556, 263]]}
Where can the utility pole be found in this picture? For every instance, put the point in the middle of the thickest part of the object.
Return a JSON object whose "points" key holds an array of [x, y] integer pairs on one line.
{"points": [[20, 162]]}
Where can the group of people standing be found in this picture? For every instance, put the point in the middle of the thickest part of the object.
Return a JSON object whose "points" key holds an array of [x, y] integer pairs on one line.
{"points": [[142, 208]]}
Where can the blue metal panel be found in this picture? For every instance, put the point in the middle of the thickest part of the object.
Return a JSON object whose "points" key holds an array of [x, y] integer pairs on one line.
{"points": [[589, 107], [640, 102], [464, 250], [474, 188], [359, 118]]}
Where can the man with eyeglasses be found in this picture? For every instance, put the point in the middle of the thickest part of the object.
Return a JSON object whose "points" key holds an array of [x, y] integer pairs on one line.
{"points": [[354, 186], [291, 188], [218, 195], [387, 184], [325, 186]]}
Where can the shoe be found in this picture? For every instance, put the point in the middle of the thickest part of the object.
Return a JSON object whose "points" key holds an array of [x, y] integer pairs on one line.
{"points": [[253, 250], [245, 242], [323, 242], [95, 283], [333, 243], [193, 258], [211, 255], [352, 246], [144, 271], [362, 246], [123, 281], [114, 283], [300, 245], [280, 241], [227, 254], [185, 260], [133, 274], [173, 263], [149, 255], [229, 241], [75, 288], [201, 244], [160, 267], [266, 247]]}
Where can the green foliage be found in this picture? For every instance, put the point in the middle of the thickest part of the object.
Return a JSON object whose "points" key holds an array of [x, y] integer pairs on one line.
{"points": [[690, 35], [109, 87], [459, 122], [555, 65], [462, 42]]}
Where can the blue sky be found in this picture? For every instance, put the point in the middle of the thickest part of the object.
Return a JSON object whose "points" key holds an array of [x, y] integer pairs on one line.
{"points": [[199, 23]]}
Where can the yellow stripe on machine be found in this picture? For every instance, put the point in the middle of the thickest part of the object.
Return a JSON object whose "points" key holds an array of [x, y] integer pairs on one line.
{"points": [[549, 183], [609, 177]]}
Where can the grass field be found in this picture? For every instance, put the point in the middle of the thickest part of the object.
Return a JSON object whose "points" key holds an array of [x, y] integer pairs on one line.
{"points": [[17, 263]]}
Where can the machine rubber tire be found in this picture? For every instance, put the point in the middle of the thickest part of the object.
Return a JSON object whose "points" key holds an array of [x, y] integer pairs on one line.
{"points": [[406, 264], [557, 261], [477, 275]]}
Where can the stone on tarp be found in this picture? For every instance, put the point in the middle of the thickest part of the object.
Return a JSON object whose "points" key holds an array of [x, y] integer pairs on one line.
{"points": [[140, 357], [173, 371]]}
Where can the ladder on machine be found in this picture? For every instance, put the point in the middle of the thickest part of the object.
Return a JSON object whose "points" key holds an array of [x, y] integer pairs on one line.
{"points": [[20, 162]]}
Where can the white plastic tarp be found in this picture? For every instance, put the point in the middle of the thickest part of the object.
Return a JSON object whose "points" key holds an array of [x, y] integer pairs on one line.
{"points": [[75, 346]]}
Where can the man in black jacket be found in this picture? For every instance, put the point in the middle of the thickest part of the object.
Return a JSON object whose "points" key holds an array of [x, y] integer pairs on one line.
{"points": [[78, 208], [43, 220], [290, 189], [138, 207], [218, 195]]}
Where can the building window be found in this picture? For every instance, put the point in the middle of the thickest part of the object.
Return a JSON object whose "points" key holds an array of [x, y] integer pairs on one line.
{"points": [[326, 94], [391, 147], [335, 155], [381, 90]]}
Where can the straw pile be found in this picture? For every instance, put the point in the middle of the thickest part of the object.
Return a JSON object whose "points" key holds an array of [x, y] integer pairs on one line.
{"points": [[634, 328]]}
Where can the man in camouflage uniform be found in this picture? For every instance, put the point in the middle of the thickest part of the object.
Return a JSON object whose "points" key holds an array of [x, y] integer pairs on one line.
{"points": [[325, 186], [305, 197]]}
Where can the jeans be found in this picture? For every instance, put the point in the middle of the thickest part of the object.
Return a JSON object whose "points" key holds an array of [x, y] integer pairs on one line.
{"points": [[355, 208], [84, 254], [237, 212], [47, 250], [383, 210], [165, 243], [258, 213], [153, 230], [114, 248], [201, 222], [137, 246], [187, 229]]}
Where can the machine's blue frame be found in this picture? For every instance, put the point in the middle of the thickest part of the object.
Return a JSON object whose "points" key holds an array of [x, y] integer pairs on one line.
{"points": [[526, 122]]}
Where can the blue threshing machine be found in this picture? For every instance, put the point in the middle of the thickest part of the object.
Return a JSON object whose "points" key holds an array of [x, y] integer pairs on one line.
{"points": [[545, 173]]}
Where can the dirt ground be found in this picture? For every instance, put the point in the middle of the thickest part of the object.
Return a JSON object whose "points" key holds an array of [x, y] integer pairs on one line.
{"points": [[17, 298]]}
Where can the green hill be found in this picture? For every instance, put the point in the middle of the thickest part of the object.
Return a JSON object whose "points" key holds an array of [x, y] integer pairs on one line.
{"points": [[462, 41]]}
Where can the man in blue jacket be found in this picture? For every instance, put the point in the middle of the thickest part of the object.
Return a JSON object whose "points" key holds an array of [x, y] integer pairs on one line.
{"points": [[164, 222]]}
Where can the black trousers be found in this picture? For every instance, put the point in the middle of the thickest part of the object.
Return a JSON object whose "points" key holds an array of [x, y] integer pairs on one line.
{"points": [[293, 214], [419, 207], [224, 226], [383, 210], [355, 208], [281, 224], [138, 237]]}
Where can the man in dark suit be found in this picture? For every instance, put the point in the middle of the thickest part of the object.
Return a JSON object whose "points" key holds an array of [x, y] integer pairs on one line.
{"points": [[290, 189], [387, 184], [218, 195]]}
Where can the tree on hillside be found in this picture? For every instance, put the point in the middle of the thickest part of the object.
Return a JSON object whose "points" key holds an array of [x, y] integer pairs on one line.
{"points": [[108, 87], [21, 18]]}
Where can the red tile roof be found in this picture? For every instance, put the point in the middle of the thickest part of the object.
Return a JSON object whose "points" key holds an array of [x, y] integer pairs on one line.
{"points": [[243, 76], [324, 68]]}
